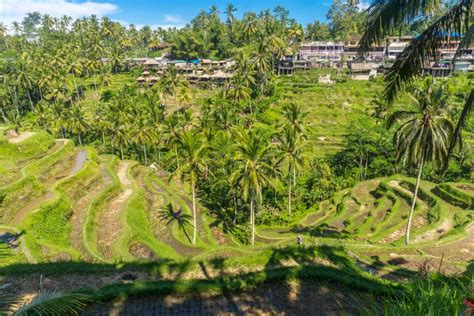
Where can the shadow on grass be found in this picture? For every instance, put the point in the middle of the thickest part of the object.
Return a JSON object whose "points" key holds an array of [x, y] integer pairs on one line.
{"points": [[218, 284], [322, 230]]}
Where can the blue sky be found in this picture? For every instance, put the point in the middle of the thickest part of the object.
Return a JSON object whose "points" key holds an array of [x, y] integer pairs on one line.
{"points": [[155, 13], [181, 11]]}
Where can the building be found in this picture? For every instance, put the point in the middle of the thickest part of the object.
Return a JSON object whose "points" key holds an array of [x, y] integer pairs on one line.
{"points": [[396, 45], [362, 71], [351, 50], [321, 51]]}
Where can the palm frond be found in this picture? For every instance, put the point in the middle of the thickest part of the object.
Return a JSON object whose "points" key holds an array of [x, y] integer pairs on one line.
{"points": [[456, 135], [424, 48], [54, 303], [385, 16], [399, 115]]}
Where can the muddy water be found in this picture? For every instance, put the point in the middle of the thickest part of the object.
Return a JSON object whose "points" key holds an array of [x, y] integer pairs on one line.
{"points": [[80, 161]]}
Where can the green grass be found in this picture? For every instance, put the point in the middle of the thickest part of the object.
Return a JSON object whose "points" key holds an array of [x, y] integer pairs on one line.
{"points": [[97, 204], [48, 229], [136, 227], [13, 157]]}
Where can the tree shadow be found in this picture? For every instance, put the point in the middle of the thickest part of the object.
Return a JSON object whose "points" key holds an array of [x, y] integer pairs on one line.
{"points": [[11, 239], [322, 230], [169, 215], [316, 280]]}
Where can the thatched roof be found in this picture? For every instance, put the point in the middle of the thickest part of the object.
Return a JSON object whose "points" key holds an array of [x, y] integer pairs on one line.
{"points": [[150, 62], [141, 79], [222, 75]]}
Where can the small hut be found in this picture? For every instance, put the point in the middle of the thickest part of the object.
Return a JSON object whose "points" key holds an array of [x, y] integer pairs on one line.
{"points": [[150, 63], [362, 71]]}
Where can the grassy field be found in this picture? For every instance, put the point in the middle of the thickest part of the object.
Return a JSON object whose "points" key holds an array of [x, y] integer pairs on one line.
{"points": [[370, 216], [69, 212]]}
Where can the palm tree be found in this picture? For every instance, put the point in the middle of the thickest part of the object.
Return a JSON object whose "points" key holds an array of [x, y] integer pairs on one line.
{"points": [[193, 150], [77, 122], [294, 119], [239, 91], [60, 117], [254, 170], [24, 79], [184, 93], [120, 137], [43, 115], [250, 27], [387, 16], [290, 148], [229, 12], [423, 134], [142, 135]]}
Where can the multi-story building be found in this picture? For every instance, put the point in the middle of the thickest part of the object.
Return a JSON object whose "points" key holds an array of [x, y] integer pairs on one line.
{"points": [[322, 51], [396, 45], [351, 49]]}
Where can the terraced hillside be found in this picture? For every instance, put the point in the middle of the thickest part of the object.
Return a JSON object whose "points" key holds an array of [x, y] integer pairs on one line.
{"points": [[59, 202]]}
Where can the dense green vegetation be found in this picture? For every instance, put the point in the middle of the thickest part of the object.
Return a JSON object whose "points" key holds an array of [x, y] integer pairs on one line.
{"points": [[196, 185]]}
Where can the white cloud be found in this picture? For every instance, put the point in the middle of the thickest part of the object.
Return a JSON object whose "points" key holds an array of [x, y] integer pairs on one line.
{"points": [[15, 10], [364, 5], [172, 18]]}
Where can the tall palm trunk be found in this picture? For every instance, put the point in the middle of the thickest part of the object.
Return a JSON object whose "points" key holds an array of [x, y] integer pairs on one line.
{"points": [[413, 204], [144, 154], [121, 152], [79, 136], [29, 98], [252, 220], [289, 191], [289, 198], [75, 86], [194, 213]]}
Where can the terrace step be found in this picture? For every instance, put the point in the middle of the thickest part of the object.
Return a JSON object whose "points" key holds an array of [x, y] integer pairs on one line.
{"points": [[110, 226]]}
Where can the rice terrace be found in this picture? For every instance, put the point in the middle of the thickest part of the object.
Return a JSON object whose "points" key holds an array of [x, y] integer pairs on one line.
{"points": [[237, 162]]}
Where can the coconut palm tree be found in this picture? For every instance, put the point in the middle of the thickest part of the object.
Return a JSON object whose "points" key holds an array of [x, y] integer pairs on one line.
{"points": [[77, 122], [290, 149], [386, 16], [120, 137], [294, 119], [193, 151], [424, 133], [142, 135], [250, 27], [254, 170], [25, 80], [184, 93]]}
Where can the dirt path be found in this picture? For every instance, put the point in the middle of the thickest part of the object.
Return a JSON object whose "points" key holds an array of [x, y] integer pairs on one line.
{"points": [[21, 137], [109, 219], [437, 232], [461, 250]]}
